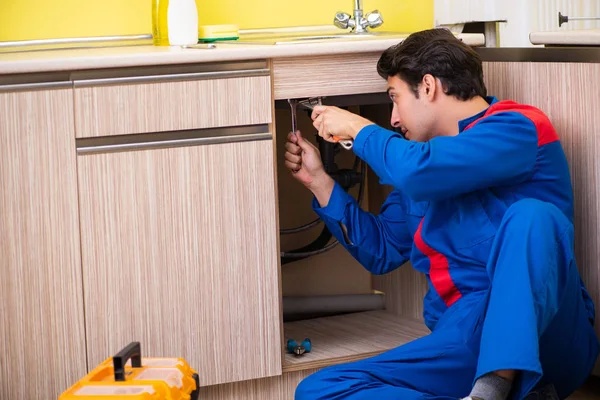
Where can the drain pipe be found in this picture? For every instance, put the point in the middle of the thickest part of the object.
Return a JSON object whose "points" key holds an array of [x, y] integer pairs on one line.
{"points": [[297, 308]]}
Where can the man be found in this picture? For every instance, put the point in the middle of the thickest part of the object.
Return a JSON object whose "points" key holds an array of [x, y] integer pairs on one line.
{"points": [[483, 206]]}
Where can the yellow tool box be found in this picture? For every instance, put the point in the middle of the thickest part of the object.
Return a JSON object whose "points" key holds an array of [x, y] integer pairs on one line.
{"points": [[145, 379]]}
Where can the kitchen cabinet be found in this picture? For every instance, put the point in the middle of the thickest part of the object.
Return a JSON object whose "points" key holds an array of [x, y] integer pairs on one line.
{"points": [[179, 229], [141, 203], [346, 338], [179, 248], [179, 219], [144, 203], [358, 335], [42, 337]]}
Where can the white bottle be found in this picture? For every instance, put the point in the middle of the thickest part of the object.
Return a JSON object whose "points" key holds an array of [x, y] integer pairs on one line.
{"points": [[182, 19]]}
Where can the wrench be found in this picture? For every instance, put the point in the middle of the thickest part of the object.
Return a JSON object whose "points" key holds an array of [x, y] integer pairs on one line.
{"points": [[294, 106], [310, 104]]}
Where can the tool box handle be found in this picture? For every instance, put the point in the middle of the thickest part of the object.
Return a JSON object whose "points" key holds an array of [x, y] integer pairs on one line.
{"points": [[132, 350]]}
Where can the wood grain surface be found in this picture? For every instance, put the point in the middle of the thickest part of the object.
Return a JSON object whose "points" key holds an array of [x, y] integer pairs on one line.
{"points": [[567, 93], [350, 337], [327, 75], [42, 339], [164, 106], [276, 388], [179, 253]]}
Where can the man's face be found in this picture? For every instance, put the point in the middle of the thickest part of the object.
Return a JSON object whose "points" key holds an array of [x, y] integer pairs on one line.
{"points": [[411, 114]]}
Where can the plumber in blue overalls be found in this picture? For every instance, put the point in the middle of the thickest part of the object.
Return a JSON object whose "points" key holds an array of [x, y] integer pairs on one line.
{"points": [[483, 206]]}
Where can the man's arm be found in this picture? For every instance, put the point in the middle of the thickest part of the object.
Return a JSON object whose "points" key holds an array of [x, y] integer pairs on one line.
{"points": [[500, 149], [380, 243]]}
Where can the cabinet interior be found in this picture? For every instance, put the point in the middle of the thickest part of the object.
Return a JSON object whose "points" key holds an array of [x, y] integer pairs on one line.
{"points": [[346, 335]]}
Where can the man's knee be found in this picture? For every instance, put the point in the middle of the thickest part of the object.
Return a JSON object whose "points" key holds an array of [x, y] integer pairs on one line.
{"points": [[328, 382], [312, 387], [534, 235], [531, 215]]}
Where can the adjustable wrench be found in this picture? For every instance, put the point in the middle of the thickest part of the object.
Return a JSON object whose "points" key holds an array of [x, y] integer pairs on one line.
{"points": [[310, 104]]}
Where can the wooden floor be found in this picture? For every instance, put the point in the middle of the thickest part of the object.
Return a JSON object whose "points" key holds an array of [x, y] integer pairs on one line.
{"points": [[350, 337]]}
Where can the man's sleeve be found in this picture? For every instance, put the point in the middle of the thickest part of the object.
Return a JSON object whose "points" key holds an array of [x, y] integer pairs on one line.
{"points": [[500, 149], [380, 243]]}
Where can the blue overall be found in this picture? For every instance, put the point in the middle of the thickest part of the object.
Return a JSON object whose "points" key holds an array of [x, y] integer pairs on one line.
{"points": [[487, 216]]}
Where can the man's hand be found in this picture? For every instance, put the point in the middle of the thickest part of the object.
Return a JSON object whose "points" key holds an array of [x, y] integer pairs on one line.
{"points": [[332, 121], [304, 160]]}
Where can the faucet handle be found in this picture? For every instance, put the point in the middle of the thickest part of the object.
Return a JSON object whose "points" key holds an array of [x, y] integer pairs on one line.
{"points": [[342, 20], [374, 19]]}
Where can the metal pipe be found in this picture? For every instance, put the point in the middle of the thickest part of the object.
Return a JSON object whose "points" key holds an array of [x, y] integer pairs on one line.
{"points": [[565, 18], [583, 18], [358, 17], [306, 307]]}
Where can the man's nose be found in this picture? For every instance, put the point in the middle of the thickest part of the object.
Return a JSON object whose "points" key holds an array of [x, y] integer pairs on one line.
{"points": [[395, 118]]}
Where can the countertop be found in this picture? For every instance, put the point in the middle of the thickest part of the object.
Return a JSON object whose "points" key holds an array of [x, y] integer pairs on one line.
{"points": [[559, 54], [115, 57], [576, 37]]}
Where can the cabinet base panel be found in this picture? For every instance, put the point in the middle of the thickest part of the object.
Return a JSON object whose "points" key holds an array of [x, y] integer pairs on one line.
{"points": [[350, 337]]}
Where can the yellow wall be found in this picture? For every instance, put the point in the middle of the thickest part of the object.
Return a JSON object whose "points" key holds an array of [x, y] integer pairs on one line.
{"points": [[42, 19]]}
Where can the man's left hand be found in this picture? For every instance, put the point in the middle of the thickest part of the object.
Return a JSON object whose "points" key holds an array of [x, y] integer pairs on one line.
{"points": [[332, 121]]}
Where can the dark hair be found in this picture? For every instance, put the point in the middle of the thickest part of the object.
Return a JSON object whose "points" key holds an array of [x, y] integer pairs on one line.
{"points": [[439, 53]]}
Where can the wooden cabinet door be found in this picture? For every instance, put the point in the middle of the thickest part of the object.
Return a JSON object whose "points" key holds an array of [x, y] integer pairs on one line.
{"points": [[42, 340], [167, 98], [180, 253]]}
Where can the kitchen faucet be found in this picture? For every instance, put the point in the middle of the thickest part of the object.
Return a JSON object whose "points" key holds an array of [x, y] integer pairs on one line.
{"points": [[358, 23]]}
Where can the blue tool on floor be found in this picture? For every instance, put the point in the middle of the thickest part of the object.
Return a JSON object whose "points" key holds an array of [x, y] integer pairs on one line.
{"points": [[298, 349]]}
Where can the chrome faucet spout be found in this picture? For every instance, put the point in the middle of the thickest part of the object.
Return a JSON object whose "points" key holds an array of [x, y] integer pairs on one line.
{"points": [[358, 22]]}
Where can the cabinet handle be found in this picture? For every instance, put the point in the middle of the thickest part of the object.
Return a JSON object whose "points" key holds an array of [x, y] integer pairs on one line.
{"points": [[171, 77], [194, 137], [15, 87]]}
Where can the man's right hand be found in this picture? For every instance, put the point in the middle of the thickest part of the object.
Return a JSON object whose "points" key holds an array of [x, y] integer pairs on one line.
{"points": [[304, 160]]}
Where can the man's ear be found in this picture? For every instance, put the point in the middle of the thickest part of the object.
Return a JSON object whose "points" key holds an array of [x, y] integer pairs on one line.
{"points": [[429, 86]]}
